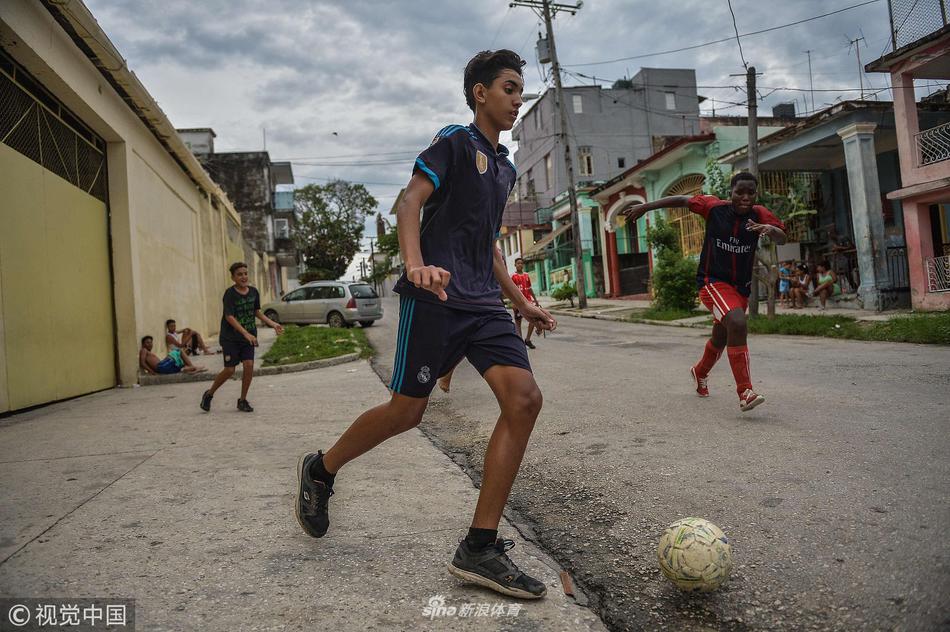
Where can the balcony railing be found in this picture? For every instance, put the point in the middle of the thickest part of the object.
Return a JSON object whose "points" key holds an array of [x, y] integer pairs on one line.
{"points": [[938, 274], [933, 145]]}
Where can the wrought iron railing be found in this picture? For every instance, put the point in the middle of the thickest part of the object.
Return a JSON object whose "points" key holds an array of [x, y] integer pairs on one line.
{"points": [[938, 274], [897, 269], [933, 145]]}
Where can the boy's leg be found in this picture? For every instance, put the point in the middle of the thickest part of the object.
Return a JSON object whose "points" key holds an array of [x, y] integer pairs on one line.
{"points": [[498, 353], [247, 376], [220, 379], [377, 424], [422, 346], [520, 401]]}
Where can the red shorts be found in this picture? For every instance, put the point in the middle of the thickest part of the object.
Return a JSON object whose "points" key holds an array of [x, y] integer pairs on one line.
{"points": [[721, 298]]}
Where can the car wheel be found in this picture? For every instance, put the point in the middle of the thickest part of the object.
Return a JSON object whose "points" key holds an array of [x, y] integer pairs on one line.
{"points": [[335, 319], [272, 315], [367, 323]]}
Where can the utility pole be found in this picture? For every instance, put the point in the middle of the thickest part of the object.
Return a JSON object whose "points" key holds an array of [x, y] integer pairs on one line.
{"points": [[372, 262], [811, 82], [753, 150], [547, 9]]}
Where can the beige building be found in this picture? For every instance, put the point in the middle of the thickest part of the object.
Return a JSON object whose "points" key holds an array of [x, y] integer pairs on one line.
{"points": [[108, 223]]}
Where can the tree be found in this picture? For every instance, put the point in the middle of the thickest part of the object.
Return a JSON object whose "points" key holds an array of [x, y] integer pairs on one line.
{"points": [[331, 223], [674, 275]]}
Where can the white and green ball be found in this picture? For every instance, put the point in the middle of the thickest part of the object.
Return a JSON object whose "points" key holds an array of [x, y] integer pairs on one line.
{"points": [[695, 555]]}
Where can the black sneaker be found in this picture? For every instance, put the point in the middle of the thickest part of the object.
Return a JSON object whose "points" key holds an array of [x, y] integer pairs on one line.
{"points": [[244, 407], [492, 568], [312, 498], [529, 344], [206, 398]]}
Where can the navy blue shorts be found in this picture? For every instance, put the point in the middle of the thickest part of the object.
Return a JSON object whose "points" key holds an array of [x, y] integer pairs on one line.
{"points": [[236, 352], [433, 339]]}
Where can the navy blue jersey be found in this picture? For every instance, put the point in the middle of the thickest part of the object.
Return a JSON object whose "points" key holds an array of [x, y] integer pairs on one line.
{"points": [[729, 249], [462, 217]]}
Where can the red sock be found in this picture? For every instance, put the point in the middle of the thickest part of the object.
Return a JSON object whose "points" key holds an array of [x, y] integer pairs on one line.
{"points": [[739, 359], [710, 354]]}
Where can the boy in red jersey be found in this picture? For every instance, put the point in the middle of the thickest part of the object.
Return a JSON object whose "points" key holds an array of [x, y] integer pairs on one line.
{"points": [[523, 281], [724, 277]]}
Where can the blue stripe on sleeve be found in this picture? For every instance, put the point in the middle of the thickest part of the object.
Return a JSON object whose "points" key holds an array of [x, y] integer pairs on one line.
{"points": [[429, 172]]}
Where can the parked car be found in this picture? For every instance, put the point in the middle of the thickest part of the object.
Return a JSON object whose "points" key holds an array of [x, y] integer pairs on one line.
{"points": [[333, 302]]}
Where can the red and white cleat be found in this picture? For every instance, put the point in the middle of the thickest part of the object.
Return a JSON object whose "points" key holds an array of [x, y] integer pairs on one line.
{"points": [[749, 400], [702, 388]]}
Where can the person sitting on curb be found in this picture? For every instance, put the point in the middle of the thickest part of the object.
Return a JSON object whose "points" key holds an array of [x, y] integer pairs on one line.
{"points": [[187, 340], [174, 362], [827, 284]]}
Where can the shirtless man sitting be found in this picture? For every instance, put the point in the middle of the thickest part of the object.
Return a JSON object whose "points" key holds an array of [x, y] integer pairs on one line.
{"points": [[174, 362]]}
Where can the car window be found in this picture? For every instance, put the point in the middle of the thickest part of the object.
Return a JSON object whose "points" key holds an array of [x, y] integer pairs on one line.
{"points": [[337, 291], [361, 290], [314, 293], [296, 295]]}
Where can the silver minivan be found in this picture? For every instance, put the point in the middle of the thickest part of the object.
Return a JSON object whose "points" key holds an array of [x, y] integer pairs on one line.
{"points": [[333, 302]]}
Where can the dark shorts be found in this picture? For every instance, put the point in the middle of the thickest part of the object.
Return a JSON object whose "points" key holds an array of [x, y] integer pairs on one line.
{"points": [[167, 366], [433, 339], [236, 352]]}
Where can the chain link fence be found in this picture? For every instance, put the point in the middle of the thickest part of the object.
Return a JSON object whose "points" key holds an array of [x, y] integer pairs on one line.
{"points": [[913, 19]]}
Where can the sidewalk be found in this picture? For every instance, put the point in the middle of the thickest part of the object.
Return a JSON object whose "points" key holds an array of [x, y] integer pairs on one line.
{"points": [[620, 310], [137, 493]]}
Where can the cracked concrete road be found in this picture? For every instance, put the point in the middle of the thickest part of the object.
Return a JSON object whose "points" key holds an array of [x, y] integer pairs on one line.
{"points": [[834, 493]]}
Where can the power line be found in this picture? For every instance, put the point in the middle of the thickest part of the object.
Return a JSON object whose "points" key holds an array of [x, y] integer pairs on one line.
{"points": [[725, 39], [736, 28]]}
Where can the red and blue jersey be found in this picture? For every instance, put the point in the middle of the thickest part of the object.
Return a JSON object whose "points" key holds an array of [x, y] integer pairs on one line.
{"points": [[462, 217], [728, 254]]}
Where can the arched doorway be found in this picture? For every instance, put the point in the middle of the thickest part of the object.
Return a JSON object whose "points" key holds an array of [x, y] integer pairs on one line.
{"points": [[692, 228]]}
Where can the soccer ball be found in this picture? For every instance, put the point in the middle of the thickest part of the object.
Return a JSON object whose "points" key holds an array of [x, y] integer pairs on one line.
{"points": [[695, 555]]}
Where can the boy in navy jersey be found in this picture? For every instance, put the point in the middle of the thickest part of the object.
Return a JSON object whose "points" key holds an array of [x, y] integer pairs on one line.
{"points": [[450, 308], [724, 277]]}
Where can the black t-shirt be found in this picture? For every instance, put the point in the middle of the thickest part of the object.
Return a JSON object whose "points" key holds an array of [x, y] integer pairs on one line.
{"points": [[462, 217], [242, 307]]}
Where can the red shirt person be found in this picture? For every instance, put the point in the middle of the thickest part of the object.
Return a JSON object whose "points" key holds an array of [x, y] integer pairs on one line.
{"points": [[523, 281], [724, 274]]}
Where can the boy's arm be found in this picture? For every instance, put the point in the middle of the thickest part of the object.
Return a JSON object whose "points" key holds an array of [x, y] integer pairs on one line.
{"points": [[270, 323], [431, 278], [535, 315], [238, 328], [171, 342], [639, 210]]}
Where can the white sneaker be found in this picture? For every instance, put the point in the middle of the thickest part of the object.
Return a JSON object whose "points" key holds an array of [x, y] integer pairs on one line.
{"points": [[749, 400]]}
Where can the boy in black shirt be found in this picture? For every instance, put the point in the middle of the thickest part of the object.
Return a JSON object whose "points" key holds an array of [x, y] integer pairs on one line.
{"points": [[242, 303], [450, 308]]}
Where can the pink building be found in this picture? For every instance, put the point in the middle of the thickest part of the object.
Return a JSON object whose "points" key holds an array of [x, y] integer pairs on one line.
{"points": [[922, 53]]}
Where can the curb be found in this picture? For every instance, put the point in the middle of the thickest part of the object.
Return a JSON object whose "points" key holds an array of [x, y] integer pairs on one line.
{"points": [[643, 321], [208, 376]]}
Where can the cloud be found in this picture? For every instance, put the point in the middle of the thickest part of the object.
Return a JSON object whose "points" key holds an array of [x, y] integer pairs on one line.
{"points": [[386, 75]]}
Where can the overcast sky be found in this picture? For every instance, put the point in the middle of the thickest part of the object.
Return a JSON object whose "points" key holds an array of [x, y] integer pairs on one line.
{"points": [[344, 81]]}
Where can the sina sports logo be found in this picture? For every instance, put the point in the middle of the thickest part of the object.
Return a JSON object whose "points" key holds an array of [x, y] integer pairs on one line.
{"points": [[481, 162], [424, 375]]}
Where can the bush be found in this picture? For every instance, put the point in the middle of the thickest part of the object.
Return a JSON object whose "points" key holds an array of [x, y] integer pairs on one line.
{"points": [[674, 276], [565, 292]]}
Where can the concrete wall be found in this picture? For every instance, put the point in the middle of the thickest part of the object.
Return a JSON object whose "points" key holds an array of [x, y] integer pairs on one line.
{"points": [[614, 123], [170, 246]]}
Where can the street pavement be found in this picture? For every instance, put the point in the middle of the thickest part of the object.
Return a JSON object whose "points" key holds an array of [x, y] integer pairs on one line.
{"points": [[834, 494], [137, 493]]}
